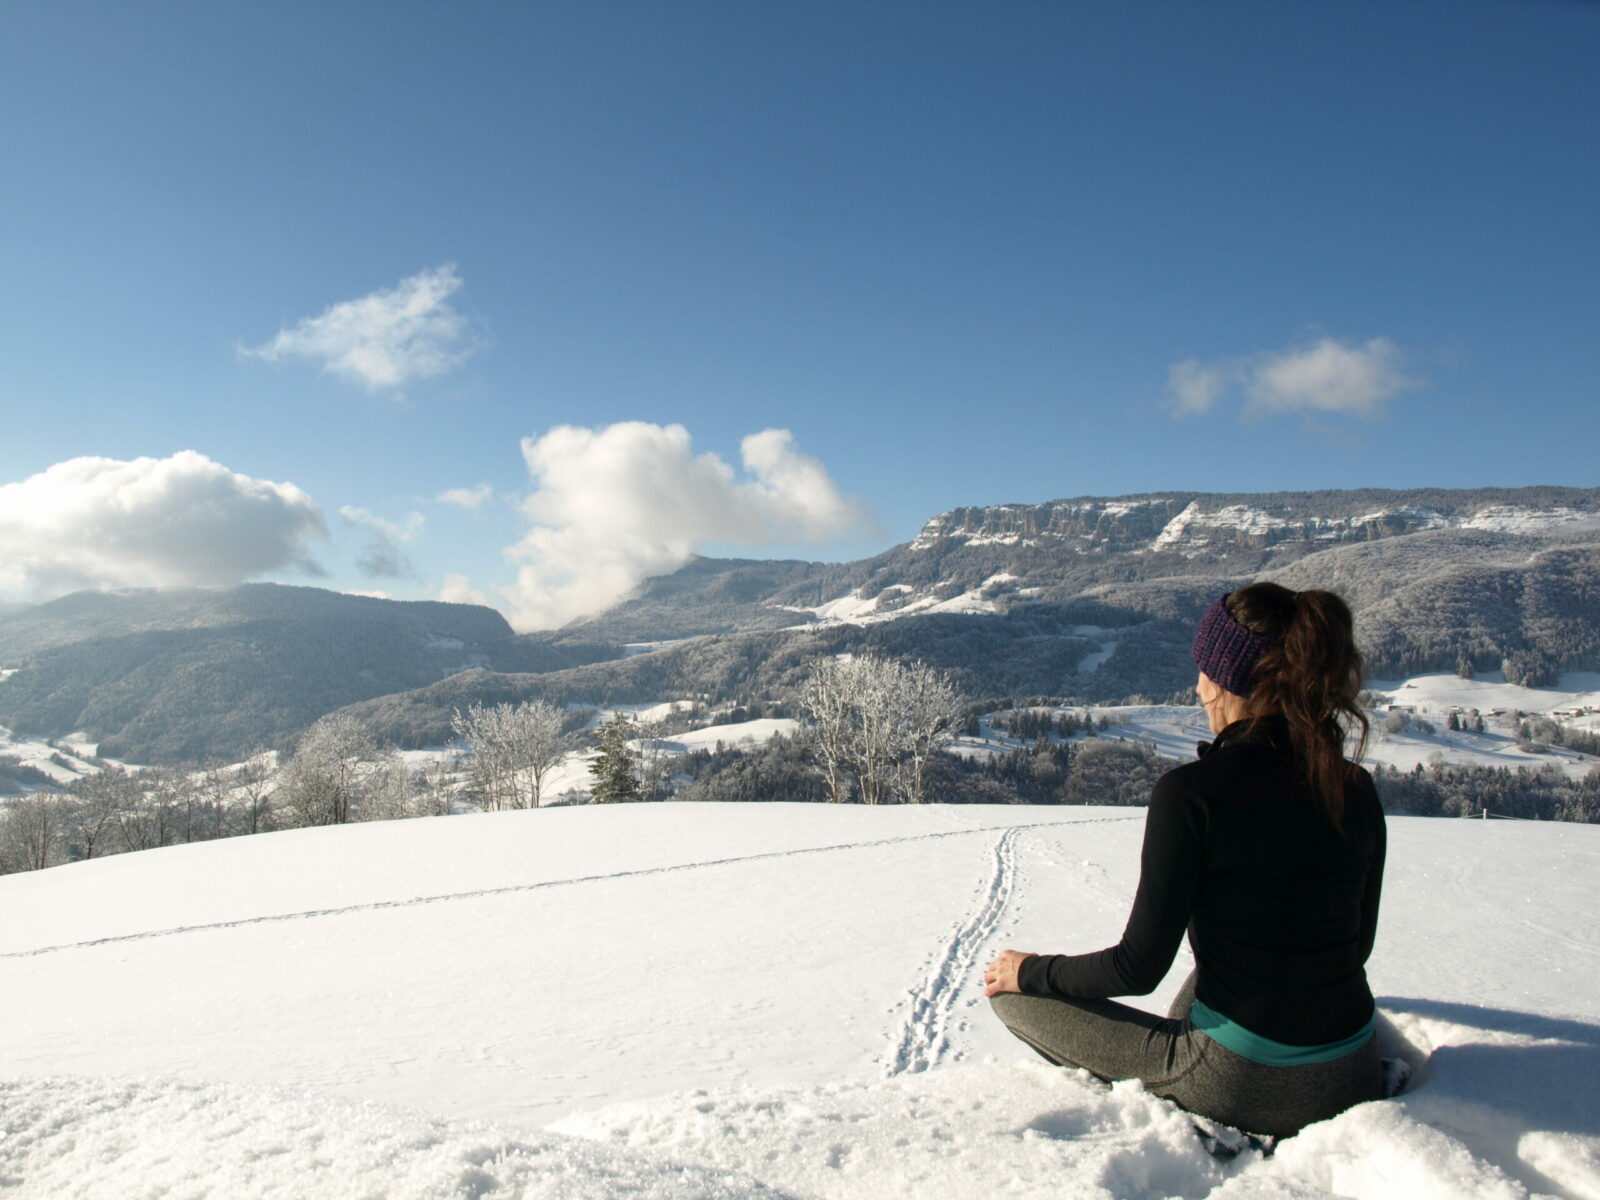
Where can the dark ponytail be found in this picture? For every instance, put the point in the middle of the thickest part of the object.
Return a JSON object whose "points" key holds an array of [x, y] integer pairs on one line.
{"points": [[1312, 675]]}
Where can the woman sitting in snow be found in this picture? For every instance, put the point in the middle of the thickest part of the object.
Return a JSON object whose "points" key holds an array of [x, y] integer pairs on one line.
{"points": [[1269, 851]]}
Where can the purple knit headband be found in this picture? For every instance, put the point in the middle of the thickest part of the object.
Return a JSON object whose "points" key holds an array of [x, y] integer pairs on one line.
{"points": [[1226, 650]]}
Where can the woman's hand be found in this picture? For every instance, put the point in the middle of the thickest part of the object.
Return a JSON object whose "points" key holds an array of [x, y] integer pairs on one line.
{"points": [[1001, 975]]}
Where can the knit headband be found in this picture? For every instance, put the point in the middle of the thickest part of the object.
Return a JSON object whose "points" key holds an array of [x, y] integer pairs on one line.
{"points": [[1226, 650]]}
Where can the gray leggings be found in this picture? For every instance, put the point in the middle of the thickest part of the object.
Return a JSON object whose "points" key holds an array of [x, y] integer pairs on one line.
{"points": [[1175, 1060]]}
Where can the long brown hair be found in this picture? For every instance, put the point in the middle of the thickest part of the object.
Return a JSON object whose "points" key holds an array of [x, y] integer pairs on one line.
{"points": [[1312, 675]]}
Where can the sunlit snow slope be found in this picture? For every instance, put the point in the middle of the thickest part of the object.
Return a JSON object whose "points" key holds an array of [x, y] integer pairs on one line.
{"points": [[732, 1000]]}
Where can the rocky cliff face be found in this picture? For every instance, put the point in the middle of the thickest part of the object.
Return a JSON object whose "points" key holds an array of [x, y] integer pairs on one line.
{"points": [[1196, 525], [1095, 526]]}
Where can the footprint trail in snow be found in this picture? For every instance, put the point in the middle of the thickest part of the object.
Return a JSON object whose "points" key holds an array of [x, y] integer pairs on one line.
{"points": [[924, 1039]]}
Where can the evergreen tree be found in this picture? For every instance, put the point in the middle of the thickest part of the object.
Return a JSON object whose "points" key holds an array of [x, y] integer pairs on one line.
{"points": [[613, 768]]}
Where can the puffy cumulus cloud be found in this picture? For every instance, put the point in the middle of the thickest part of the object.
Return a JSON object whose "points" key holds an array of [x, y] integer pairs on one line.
{"points": [[382, 557], [385, 339], [102, 522], [614, 506], [1322, 377], [1329, 377], [472, 497]]}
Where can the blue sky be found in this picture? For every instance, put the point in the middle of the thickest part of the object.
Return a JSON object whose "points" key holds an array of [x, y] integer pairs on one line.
{"points": [[963, 254]]}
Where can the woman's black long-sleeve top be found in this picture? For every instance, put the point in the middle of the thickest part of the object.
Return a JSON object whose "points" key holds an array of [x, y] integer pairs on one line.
{"points": [[1281, 907]]}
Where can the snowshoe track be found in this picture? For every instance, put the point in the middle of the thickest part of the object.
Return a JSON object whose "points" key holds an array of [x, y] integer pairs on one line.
{"points": [[925, 1038]]}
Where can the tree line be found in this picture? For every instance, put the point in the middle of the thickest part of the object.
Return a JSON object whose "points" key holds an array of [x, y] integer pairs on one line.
{"points": [[873, 731]]}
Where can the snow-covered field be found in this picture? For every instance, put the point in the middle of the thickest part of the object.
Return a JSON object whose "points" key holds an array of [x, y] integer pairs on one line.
{"points": [[732, 1001], [852, 609], [47, 759]]}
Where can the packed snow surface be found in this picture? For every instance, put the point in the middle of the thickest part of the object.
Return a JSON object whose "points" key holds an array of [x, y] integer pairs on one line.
{"points": [[679, 1000]]}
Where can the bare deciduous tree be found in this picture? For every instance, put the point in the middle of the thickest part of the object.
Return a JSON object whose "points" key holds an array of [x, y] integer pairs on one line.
{"points": [[514, 747], [253, 782], [826, 696], [651, 758], [430, 785], [877, 723], [146, 820], [930, 712], [321, 782], [386, 793], [97, 801], [30, 831]]}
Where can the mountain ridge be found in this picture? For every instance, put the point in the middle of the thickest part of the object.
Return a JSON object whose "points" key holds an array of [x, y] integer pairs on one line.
{"points": [[1084, 600]]}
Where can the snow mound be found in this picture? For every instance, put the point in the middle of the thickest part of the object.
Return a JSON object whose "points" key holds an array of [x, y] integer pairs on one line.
{"points": [[83, 1138], [1501, 1116], [1018, 1129]]}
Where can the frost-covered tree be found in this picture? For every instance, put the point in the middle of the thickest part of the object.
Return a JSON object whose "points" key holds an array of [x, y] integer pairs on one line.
{"points": [[876, 723], [322, 782], [929, 711], [31, 829], [827, 697], [1530, 668], [514, 747], [97, 800], [150, 817], [540, 743], [483, 729], [253, 784], [652, 759], [386, 792], [431, 786], [613, 768]]}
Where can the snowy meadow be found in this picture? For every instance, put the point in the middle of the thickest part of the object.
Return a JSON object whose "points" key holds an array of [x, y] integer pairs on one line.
{"points": [[678, 1000]]}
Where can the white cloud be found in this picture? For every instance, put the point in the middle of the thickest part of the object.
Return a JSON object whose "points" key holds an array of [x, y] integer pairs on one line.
{"points": [[385, 339], [471, 497], [383, 558], [1195, 386], [614, 506], [1329, 377], [458, 589], [1324, 376], [102, 522]]}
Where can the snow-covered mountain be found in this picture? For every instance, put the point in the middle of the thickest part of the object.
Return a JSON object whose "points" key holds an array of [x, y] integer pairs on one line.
{"points": [[1085, 600], [733, 1001]]}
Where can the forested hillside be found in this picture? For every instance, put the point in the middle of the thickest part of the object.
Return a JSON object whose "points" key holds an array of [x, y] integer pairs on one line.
{"points": [[1084, 601], [188, 674]]}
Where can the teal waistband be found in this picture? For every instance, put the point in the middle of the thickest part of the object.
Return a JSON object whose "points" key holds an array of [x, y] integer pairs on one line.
{"points": [[1268, 1052]]}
